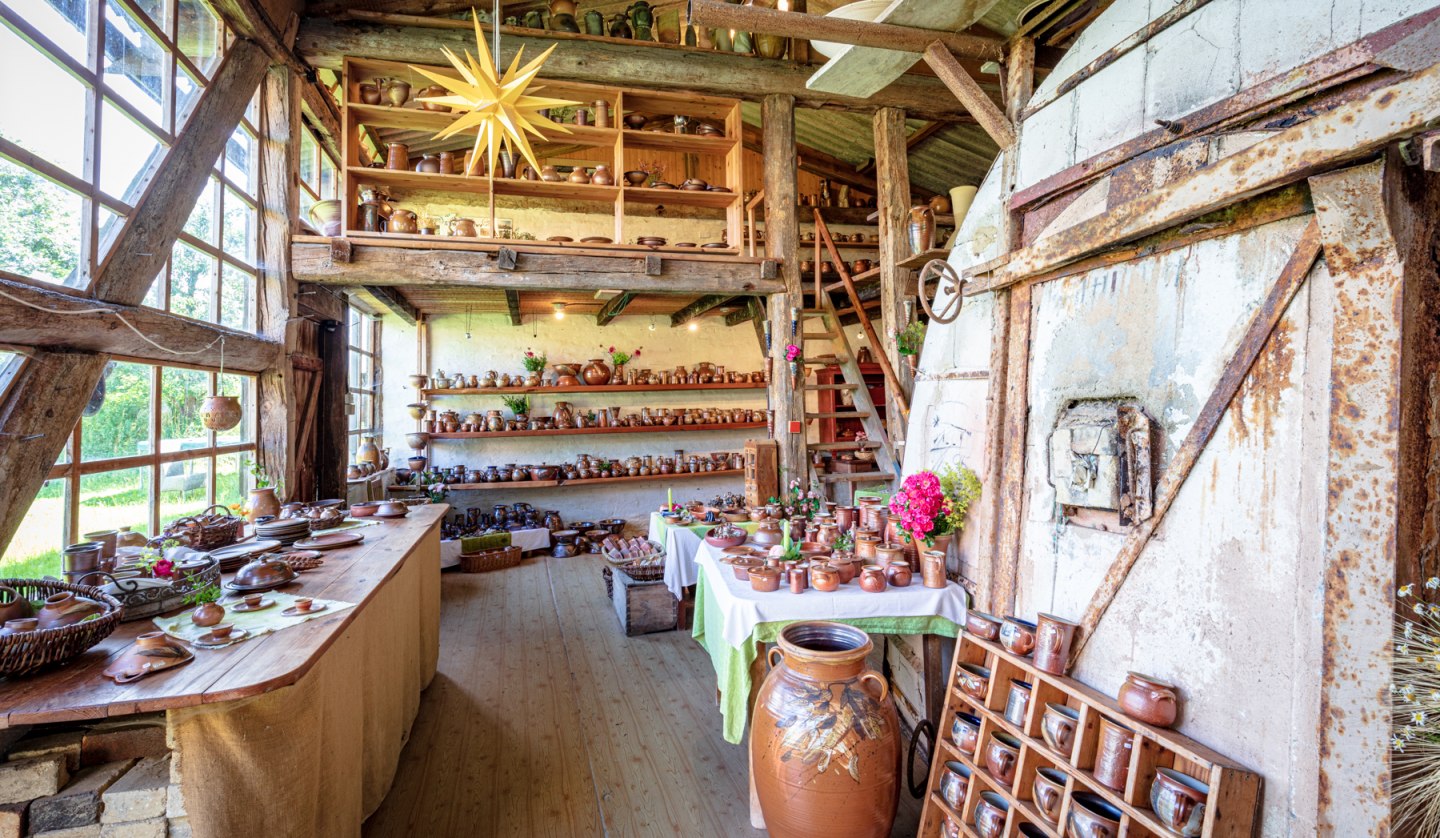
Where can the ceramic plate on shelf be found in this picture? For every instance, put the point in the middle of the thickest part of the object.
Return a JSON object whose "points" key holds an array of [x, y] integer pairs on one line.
{"points": [[597, 240], [333, 541], [559, 239], [248, 548]]}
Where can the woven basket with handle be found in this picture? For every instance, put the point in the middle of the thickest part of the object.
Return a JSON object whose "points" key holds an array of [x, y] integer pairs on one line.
{"points": [[28, 651], [207, 531]]}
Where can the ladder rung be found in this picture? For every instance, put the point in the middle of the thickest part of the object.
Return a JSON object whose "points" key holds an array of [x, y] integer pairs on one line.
{"points": [[868, 445], [832, 387], [814, 312], [819, 335], [825, 361], [857, 477], [839, 414], [863, 276]]}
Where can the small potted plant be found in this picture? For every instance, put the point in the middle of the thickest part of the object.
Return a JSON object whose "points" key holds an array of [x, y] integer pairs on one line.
{"points": [[534, 365], [208, 611], [618, 360], [519, 405], [909, 341]]}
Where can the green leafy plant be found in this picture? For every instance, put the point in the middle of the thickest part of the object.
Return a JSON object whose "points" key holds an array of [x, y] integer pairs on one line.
{"points": [[533, 362], [619, 357], [200, 596], [262, 478], [961, 486], [843, 542], [911, 339], [519, 405]]}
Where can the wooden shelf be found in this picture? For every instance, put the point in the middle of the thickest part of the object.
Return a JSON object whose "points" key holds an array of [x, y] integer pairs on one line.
{"points": [[584, 481], [514, 187], [919, 260], [680, 197], [693, 143], [418, 241], [621, 429], [584, 388]]}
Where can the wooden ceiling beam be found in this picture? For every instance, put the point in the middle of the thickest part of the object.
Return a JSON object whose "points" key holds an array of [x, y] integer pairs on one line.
{"points": [[311, 261], [394, 300], [751, 310], [512, 305], [324, 42], [613, 307], [757, 19], [969, 94], [697, 308]]}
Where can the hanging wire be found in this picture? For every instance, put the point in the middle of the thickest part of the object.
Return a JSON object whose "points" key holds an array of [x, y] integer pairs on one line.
{"points": [[118, 316]]}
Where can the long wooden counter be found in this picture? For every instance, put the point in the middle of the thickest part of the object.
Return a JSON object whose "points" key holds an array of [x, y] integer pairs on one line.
{"points": [[77, 690]]}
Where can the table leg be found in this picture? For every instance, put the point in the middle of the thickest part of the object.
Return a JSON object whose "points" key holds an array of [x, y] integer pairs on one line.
{"points": [[934, 675]]}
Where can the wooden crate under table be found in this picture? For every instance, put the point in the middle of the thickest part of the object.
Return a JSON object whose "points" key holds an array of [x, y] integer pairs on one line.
{"points": [[644, 607]]}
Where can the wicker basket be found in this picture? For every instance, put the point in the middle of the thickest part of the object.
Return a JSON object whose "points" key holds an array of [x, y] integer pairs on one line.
{"points": [[223, 531], [486, 560], [21, 654], [640, 573]]}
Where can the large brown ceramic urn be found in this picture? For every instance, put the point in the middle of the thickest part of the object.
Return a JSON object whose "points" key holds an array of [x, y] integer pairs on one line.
{"points": [[824, 741]]}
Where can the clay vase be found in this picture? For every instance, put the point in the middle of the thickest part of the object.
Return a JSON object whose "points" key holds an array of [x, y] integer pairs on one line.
{"points": [[921, 229], [1178, 800], [579, 175], [263, 502], [507, 164], [594, 23], [369, 93], [13, 606], [822, 707], [207, 614], [397, 157], [1147, 699], [429, 164], [550, 174], [397, 92], [596, 373], [602, 176], [1053, 637], [66, 609], [602, 113]]}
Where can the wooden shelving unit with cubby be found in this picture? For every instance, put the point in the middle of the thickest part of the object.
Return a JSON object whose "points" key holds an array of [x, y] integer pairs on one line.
{"points": [[618, 147], [1233, 804]]}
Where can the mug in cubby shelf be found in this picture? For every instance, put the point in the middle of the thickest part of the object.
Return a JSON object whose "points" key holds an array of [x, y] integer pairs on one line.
{"points": [[1112, 759], [1047, 791], [1058, 726], [1002, 757]]}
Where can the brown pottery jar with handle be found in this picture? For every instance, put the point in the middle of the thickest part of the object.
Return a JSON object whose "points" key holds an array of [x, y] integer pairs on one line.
{"points": [[824, 742], [1148, 699], [596, 373]]}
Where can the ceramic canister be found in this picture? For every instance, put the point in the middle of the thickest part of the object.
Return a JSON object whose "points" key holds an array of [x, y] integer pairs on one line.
{"points": [[1017, 702], [1112, 760]]}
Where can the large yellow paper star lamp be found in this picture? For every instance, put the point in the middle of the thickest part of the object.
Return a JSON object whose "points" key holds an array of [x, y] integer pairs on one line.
{"points": [[500, 110]]}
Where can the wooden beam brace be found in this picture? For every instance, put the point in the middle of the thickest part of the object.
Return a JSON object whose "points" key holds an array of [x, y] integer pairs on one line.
{"points": [[698, 308], [757, 19], [1019, 77], [512, 304], [613, 307], [150, 231], [38, 413], [1346, 133], [968, 91], [417, 40], [395, 301], [373, 264], [101, 330], [1237, 368], [746, 314]]}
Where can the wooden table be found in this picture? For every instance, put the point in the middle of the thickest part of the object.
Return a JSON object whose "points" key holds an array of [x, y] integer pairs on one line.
{"points": [[398, 561]]}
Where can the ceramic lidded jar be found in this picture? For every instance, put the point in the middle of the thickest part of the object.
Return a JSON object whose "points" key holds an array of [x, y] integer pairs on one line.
{"points": [[1148, 699], [852, 730], [872, 578]]}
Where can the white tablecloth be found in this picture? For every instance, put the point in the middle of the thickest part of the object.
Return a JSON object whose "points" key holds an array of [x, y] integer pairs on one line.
{"points": [[744, 608], [680, 545], [526, 540]]}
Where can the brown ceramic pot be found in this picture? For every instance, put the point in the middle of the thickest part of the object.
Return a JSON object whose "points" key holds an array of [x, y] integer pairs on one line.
{"points": [[872, 578], [824, 577], [953, 782], [848, 566], [1058, 726], [1178, 801], [965, 733], [433, 90], [397, 157], [207, 614], [974, 680], [1092, 817], [899, 574], [1053, 637], [1002, 757], [866, 545], [765, 579], [834, 759], [13, 606], [982, 625], [889, 551], [845, 517], [1017, 636], [1147, 699], [596, 373], [895, 537], [1048, 790], [67, 609], [990, 815], [1112, 758]]}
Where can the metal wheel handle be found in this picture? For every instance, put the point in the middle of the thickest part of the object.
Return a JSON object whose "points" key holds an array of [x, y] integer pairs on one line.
{"points": [[926, 729], [950, 284]]}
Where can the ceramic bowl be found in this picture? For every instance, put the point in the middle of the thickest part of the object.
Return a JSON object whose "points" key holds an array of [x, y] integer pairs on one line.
{"points": [[637, 178], [363, 509]]}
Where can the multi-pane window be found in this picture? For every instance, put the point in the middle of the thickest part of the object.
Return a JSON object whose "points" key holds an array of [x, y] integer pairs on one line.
{"points": [[318, 173], [109, 84], [363, 377], [140, 458]]}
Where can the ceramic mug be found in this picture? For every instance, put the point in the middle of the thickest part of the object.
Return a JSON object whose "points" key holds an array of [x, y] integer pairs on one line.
{"points": [[1092, 817], [1048, 791], [974, 680], [1058, 728], [1017, 636], [1053, 637], [1178, 801], [953, 784], [1017, 703], [1112, 760], [1002, 755], [990, 815], [982, 625], [965, 733]]}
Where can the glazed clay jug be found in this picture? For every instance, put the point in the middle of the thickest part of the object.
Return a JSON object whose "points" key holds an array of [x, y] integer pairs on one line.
{"points": [[263, 502], [824, 742], [596, 373], [921, 228]]}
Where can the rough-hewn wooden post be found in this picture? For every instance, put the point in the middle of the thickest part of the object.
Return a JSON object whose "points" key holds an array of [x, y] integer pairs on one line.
{"points": [[279, 207], [782, 241], [892, 174]]}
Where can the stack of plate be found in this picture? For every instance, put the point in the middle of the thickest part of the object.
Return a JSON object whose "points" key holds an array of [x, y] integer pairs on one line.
{"points": [[287, 531], [235, 556]]}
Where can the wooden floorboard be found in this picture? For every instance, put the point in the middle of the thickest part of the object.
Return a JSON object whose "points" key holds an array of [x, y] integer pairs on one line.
{"points": [[544, 720]]}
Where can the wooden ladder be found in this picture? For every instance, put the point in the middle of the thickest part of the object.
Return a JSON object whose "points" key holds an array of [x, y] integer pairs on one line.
{"points": [[863, 407]]}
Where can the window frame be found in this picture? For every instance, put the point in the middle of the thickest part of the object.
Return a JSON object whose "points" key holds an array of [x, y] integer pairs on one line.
{"points": [[371, 425], [315, 191]]}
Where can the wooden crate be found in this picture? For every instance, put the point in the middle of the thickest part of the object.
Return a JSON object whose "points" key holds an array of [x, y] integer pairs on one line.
{"points": [[644, 607], [1234, 801], [762, 471], [852, 466]]}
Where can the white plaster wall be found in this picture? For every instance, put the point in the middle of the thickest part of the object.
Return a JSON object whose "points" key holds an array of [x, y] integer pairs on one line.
{"points": [[497, 345]]}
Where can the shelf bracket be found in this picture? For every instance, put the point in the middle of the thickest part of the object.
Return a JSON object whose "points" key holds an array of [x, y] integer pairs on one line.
{"points": [[507, 259], [770, 269], [653, 265], [340, 250]]}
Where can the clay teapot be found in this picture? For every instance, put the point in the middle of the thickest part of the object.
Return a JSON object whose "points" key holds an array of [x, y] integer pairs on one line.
{"points": [[67, 609]]}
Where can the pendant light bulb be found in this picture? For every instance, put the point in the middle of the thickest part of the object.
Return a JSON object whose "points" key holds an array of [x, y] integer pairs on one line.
{"points": [[559, 311], [652, 324], [694, 326]]}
